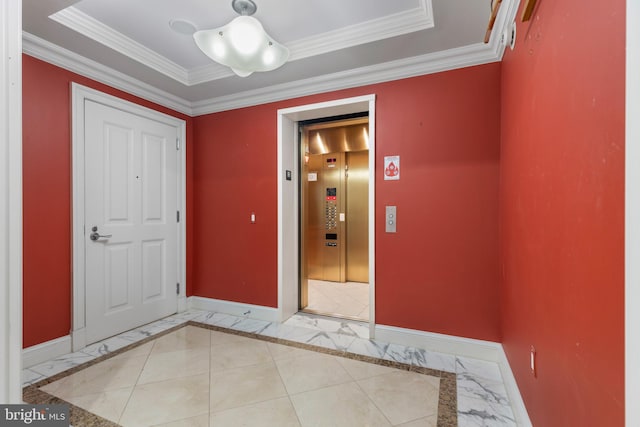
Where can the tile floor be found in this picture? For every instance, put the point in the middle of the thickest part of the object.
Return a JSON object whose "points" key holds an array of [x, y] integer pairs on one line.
{"points": [[190, 361], [350, 299]]}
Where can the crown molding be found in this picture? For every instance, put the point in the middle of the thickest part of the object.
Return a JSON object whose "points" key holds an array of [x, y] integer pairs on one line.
{"points": [[63, 58], [90, 27], [466, 56], [416, 19], [451, 59], [397, 24]]}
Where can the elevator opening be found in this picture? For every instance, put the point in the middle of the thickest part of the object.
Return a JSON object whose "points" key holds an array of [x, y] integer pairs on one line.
{"points": [[334, 221]]}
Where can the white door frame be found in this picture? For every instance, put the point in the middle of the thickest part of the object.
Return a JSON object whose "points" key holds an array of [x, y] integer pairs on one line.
{"points": [[288, 196], [11, 201], [632, 217], [79, 95]]}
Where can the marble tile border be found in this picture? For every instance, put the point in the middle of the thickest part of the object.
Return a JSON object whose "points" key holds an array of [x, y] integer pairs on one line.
{"points": [[447, 396]]}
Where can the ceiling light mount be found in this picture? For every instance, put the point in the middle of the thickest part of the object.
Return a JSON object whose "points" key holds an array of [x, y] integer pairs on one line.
{"points": [[242, 44], [244, 7]]}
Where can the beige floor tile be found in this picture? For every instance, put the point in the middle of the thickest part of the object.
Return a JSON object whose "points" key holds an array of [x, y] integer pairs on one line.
{"points": [[167, 401], [239, 354], [221, 338], [244, 386], [343, 405], [175, 364], [199, 421], [141, 350], [186, 338], [346, 299], [403, 396], [361, 370], [109, 404], [111, 374], [311, 372], [280, 351], [195, 377], [431, 421], [272, 413]]}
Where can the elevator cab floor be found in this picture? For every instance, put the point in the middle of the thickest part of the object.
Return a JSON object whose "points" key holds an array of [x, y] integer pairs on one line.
{"points": [[348, 300]]}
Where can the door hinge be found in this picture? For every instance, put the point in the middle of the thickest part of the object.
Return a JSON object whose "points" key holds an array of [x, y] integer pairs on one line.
{"points": [[177, 288], [177, 143], [177, 216]]}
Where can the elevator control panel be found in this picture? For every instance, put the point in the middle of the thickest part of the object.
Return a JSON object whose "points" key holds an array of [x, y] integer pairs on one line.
{"points": [[331, 208], [391, 219]]}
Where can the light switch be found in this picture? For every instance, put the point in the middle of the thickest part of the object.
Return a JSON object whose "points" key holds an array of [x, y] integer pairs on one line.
{"points": [[390, 219]]}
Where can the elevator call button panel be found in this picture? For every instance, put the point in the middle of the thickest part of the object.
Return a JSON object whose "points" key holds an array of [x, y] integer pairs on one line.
{"points": [[331, 208], [391, 218]]}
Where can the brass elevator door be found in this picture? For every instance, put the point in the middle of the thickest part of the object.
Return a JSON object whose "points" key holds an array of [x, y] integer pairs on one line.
{"points": [[357, 217], [334, 206], [336, 245], [326, 236]]}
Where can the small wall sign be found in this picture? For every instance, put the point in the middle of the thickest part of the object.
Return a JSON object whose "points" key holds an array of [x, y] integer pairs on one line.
{"points": [[392, 168]]}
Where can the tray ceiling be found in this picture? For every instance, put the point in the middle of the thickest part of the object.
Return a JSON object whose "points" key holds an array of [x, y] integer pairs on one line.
{"points": [[333, 44]]}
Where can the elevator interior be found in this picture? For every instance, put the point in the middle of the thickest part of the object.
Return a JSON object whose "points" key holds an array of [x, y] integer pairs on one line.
{"points": [[334, 205]]}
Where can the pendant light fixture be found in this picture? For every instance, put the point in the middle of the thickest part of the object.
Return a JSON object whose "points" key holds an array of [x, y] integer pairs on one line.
{"points": [[242, 44]]}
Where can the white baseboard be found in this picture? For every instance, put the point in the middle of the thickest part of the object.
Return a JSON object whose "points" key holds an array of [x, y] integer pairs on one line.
{"points": [[251, 311], [477, 349], [517, 404], [39, 353]]}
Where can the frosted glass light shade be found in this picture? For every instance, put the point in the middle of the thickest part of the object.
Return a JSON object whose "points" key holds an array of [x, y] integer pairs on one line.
{"points": [[242, 45]]}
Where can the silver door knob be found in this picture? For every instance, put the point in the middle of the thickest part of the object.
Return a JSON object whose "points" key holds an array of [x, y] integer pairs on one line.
{"points": [[95, 236]]}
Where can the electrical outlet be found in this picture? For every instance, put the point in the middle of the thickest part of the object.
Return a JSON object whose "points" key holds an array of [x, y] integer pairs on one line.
{"points": [[533, 362]]}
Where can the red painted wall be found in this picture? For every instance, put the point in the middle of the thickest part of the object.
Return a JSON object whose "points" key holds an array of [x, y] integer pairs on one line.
{"points": [[562, 212], [46, 113], [439, 273]]}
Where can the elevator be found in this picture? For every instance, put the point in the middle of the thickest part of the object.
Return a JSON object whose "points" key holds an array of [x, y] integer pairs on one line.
{"points": [[334, 188]]}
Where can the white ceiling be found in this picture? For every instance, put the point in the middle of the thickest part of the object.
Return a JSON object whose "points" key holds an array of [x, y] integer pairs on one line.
{"points": [[334, 44]]}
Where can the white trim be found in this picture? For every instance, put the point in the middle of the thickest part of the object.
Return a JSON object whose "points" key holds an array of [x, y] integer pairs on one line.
{"points": [[10, 201], [451, 59], [209, 72], [372, 216], [79, 94], [408, 21], [466, 347], [632, 217], [395, 70], [90, 27], [46, 351], [250, 311], [63, 58], [79, 335], [183, 304], [513, 392], [288, 233], [478, 349]]}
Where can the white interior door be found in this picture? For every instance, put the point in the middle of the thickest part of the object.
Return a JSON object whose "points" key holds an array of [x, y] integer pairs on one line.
{"points": [[130, 227]]}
